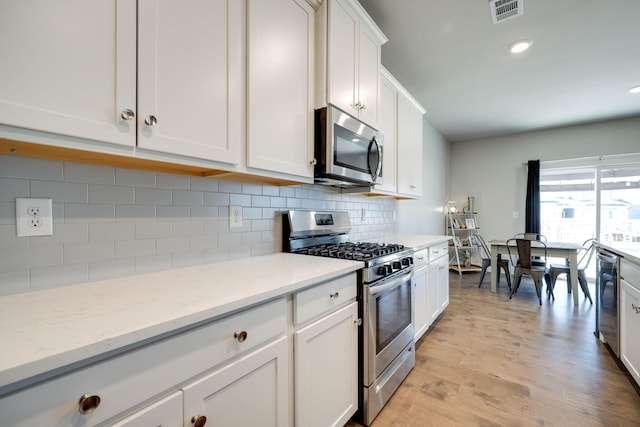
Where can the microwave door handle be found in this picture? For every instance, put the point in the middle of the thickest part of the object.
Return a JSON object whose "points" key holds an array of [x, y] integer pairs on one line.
{"points": [[374, 173]]}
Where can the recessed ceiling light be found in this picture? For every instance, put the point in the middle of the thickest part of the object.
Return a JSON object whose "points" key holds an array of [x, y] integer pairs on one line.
{"points": [[635, 89], [521, 46]]}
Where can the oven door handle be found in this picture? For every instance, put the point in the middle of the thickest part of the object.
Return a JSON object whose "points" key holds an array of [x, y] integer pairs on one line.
{"points": [[396, 282]]}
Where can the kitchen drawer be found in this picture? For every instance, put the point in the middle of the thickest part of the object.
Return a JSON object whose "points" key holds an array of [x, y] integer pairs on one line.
{"points": [[166, 412], [420, 258], [140, 375], [438, 250], [321, 299], [630, 272]]}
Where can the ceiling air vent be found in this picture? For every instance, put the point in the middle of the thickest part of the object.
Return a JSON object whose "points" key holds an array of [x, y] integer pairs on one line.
{"points": [[504, 9]]}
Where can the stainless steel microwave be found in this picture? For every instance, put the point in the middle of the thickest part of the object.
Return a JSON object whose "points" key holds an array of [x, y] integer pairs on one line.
{"points": [[347, 151]]}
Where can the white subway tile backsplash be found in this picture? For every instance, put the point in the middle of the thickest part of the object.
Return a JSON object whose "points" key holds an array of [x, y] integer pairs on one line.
{"points": [[85, 212], [111, 231], [14, 282], [99, 193], [75, 253], [188, 198], [240, 199], [204, 184], [27, 257], [169, 245], [204, 213], [102, 270], [129, 213], [172, 212], [188, 228], [23, 167], [134, 248], [175, 182], [148, 230], [10, 188], [9, 238], [60, 191], [229, 187], [92, 174], [216, 199], [8, 213], [153, 196], [113, 222], [135, 178], [187, 259], [153, 263], [59, 275], [63, 233]]}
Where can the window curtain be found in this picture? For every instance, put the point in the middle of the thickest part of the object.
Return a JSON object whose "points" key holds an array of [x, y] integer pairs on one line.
{"points": [[532, 214]]}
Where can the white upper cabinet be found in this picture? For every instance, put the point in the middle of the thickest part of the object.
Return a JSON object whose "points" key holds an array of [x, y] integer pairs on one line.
{"points": [[387, 122], [401, 124], [69, 67], [280, 119], [190, 78], [409, 140], [351, 59]]}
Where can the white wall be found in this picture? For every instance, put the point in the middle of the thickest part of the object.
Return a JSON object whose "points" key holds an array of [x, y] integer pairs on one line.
{"points": [[425, 215], [491, 169]]}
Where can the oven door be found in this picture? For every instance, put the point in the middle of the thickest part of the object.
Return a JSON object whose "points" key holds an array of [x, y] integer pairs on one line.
{"points": [[387, 315]]}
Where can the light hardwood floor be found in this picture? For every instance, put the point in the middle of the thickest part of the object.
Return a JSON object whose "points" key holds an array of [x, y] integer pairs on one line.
{"points": [[491, 361]]}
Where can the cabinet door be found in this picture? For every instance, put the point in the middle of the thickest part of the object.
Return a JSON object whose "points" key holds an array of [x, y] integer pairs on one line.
{"points": [[433, 301], [409, 148], [251, 391], [69, 67], [420, 321], [164, 413], [387, 126], [368, 76], [342, 66], [443, 283], [190, 78], [326, 369], [629, 327], [280, 88]]}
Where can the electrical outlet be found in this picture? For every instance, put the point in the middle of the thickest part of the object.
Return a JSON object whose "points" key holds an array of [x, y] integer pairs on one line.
{"points": [[235, 216], [34, 217]]}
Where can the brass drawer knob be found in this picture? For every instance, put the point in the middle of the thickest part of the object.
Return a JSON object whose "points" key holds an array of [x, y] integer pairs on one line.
{"points": [[88, 403], [240, 336], [198, 420]]}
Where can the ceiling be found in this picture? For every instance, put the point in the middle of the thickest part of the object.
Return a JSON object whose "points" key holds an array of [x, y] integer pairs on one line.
{"points": [[448, 53]]}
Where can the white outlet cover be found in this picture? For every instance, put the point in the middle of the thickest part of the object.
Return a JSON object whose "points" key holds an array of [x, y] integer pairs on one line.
{"points": [[26, 219], [235, 216]]}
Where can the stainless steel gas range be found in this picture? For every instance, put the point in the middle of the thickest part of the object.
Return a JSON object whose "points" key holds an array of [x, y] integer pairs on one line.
{"points": [[386, 343]]}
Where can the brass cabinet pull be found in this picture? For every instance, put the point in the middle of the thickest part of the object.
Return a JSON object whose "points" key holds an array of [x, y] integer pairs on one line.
{"points": [[358, 322], [198, 420], [128, 114], [334, 295], [88, 403], [151, 120], [636, 308], [240, 336]]}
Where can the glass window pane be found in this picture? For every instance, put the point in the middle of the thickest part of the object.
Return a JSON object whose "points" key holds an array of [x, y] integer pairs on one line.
{"points": [[620, 207]]}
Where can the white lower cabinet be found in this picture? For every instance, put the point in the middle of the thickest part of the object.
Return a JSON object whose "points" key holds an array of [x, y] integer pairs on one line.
{"points": [[251, 391], [630, 318], [326, 369], [431, 286], [164, 413]]}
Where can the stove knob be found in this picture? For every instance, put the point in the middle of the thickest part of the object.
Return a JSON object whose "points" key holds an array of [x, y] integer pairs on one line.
{"points": [[405, 261], [388, 268], [382, 271], [397, 265]]}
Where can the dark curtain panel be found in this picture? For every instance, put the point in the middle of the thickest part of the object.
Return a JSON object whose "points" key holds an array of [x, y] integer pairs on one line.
{"points": [[532, 215]]}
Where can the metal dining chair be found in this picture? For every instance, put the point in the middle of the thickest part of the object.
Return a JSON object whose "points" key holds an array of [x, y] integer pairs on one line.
{"points": [[524, 266], [585, 258], [485, 255]]}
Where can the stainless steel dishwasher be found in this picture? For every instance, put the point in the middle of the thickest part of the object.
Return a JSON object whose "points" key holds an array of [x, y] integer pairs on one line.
{"points": [[607, 298]]}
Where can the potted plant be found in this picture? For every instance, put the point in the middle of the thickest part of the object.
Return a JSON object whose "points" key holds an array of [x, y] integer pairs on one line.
{"points": [[466, 258]]}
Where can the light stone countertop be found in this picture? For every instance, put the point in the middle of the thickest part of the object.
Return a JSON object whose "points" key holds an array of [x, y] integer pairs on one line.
{"points": [[414, 241], [630, 252], [47, 330]]}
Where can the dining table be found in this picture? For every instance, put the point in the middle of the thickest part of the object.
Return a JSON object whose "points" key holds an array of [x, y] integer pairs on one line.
{"points": [[567, 250]]}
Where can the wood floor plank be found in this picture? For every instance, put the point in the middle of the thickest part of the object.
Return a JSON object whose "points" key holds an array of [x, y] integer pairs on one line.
{"points": [[491, 361]]}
